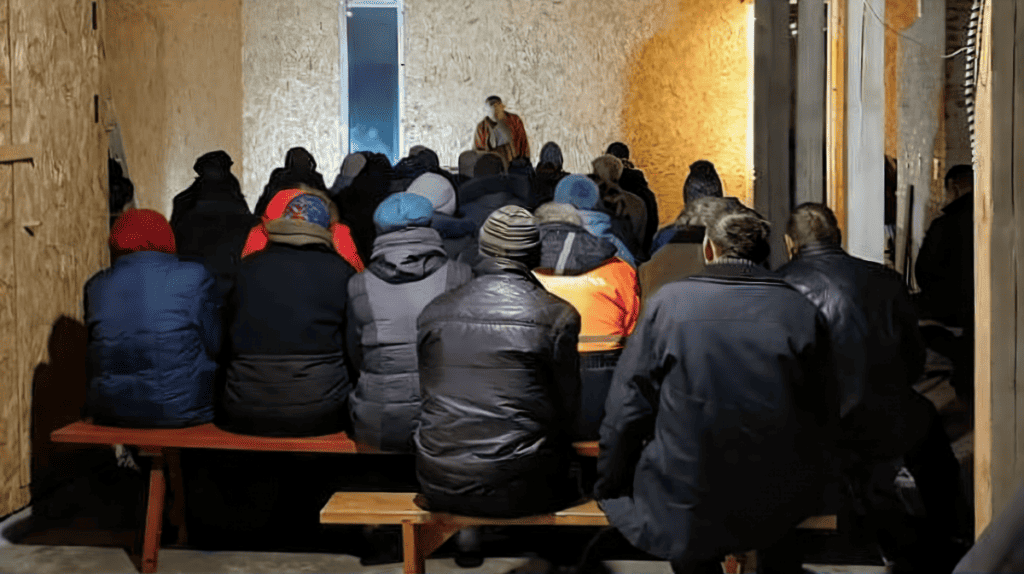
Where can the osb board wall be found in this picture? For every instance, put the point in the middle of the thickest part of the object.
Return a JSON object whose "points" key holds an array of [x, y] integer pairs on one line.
{"points": [[174, 70], [899, 15], [291, 86], [671, 78], [12, 415], [60, 205]]}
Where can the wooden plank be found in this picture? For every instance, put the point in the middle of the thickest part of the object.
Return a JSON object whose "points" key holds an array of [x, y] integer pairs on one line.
{"points": [[773, 93], [810, 102], [835, 128], [12, 496], [18, 152], [202, 436], [1014, 409], [865, 108]]}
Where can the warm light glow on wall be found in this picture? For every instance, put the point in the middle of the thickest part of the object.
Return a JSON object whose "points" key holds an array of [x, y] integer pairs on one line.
{"points": [[690, 97]]}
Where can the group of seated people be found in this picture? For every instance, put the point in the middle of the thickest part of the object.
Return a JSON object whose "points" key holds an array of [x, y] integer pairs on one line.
{"points": [[484, 321]]}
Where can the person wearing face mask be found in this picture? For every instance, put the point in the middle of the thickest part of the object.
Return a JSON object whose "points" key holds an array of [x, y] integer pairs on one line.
{"points": [[501, 132]]}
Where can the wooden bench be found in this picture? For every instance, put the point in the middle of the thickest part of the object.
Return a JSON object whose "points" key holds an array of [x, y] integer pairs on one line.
{"points": [[423, 531], [163, 447]]}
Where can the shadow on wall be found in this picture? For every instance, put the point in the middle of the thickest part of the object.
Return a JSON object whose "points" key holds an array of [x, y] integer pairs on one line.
{"points": [[58, 399], [688, 97]]}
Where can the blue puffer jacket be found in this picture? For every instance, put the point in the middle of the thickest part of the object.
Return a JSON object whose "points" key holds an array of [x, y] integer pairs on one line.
{"points": [[154, 330]]}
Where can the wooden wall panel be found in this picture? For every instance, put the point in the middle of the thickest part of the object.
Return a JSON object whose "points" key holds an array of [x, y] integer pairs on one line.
{"points": [[12, 496], [60, 208]]}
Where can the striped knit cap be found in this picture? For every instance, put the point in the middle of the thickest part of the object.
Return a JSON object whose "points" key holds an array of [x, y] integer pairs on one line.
{"points": [[510, 232]]}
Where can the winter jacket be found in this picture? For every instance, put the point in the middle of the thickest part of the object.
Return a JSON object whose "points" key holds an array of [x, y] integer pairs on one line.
{"points": [[599, 223], [583, 270], [518, 147], [720, 417], [1000, 548], [408, 269], [357, 202], [945, 265], [299, 168], [630, 209], [154, 332], [878, 349], [479, 197], [544, 183], [458, 234], [499, 376], [680, 258], [633, 181], [213, 231], [340, 233], [288, 374]]}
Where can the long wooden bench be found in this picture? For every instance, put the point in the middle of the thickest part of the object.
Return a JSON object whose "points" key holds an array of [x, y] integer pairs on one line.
{"points": [[163, 447], [423, 531]]}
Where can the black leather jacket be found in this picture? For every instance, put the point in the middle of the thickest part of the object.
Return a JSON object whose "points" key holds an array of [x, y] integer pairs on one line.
{"points": [[878, 349], [499, 377]]}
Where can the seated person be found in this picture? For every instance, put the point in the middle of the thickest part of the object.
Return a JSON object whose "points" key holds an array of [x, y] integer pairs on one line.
{"points": [[626, 207], [299, 169], [457, 233], [703, 181], [154, 331], [583, 194], [549, 173], [408, 269], [634, 181], [583, 270], [288, 373], [720, 418], [500, 381]]}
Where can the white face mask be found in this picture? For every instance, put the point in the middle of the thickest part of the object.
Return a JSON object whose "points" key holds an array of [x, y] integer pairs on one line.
{"points": [[489, 110]]}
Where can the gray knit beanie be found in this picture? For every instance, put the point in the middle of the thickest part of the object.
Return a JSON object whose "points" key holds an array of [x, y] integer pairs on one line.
{"points": [[510, 232]]}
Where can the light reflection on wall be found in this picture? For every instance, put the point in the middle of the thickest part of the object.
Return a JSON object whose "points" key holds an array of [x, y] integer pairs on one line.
{"points": [[689, 97]]}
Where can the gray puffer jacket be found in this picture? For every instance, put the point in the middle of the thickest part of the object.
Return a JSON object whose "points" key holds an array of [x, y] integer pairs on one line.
{"points": [[407, 270]]}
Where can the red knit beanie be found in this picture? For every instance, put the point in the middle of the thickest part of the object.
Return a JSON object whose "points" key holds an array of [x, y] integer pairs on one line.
{"points": [[141, 230]]}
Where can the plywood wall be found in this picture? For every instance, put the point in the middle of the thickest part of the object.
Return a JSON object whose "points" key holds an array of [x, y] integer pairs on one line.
{"points": [[57, 219], [291, 86], [668, 77], [12, 413], [175, 79]]}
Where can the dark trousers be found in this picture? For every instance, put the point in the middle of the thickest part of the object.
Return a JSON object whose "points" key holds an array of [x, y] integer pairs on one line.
{"points": [[596, 370], [960, 351]]}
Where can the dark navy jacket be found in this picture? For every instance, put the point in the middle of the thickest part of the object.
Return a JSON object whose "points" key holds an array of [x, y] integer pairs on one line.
{"points": [[154, 330]]}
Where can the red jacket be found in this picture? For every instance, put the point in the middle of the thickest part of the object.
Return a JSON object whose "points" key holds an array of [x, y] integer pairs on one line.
{"points": [[520, 143], [340, 233]]}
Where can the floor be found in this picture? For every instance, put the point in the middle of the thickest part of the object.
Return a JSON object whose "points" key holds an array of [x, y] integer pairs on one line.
{"points": [[85, 525]]}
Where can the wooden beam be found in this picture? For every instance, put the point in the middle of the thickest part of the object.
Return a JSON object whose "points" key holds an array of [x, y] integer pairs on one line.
{"points": [[810, 102], [835, 127], [18, 152], [773, 94]]}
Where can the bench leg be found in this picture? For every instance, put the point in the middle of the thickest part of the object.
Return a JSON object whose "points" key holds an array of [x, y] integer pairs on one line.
{"points": [[177, 510], [154, 515], [420, 541]]}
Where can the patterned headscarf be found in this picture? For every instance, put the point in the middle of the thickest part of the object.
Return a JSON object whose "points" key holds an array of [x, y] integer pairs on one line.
{"points": [[308, 208]]}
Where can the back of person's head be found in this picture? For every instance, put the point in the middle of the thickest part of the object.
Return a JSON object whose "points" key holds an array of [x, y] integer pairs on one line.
{"points": [[742, 235], [579, 191], [213, 164], [812, 223], [511, 232], [521, 166], [608, 168], [353, 164], [467, 163], [703, 181], [491, 100], [552, 212], [141, 230], [960, 180], [401, 211], [551, 154], [704, 209], [489, 164], [619, 150], [122, 190], [437, 189], [299, 159], [416, 149], [309, 208]]}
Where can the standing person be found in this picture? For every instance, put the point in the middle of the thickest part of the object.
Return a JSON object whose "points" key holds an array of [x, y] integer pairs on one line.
{"points": [[718, 424], [884, 423], [501, 132], [289, 374], [583, 270], [945, 272], [633, 181], [408, 269], [211, 219], [703, 181], [154, 331], [299, 168], [499, 374]]}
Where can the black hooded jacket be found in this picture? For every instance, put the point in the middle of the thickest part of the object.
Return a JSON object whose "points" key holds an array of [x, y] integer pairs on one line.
{"points": [[499, 375], [299, 167]]}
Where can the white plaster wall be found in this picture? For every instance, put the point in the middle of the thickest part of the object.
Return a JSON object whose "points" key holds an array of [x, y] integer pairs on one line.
{"points": [[290, 94]]}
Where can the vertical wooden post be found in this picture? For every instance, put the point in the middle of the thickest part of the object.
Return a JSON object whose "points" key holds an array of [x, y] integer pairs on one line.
{"points": [[773, 93], [810, 102], [154, 515], [835, 127]]}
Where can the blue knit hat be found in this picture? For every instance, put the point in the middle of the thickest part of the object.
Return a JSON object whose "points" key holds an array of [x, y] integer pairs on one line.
{"points": [[308, 208], [578, 191], [402, 210]]}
